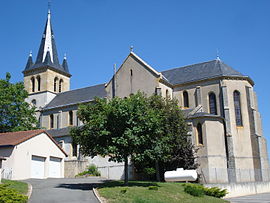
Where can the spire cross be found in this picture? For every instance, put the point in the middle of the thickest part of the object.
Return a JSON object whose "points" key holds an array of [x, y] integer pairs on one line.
{"points": [[131, 48], [218, 58], [65, 56], [49, 6]]}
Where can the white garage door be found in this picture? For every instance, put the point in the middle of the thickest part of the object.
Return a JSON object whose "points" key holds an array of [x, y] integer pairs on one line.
{"points": [[55, 167], [37, 167]]}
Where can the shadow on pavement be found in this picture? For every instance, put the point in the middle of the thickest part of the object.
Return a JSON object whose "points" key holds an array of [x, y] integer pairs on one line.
{"points": [[104, 183], [79, 186]]}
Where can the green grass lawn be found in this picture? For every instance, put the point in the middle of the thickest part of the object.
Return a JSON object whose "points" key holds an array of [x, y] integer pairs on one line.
{"points": [[138, 192], [20, 187]]}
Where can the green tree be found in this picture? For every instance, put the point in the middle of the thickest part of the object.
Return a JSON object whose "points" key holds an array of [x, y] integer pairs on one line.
{"points": [[170, 146], [116, 128], [15, 113], [145, 129]]}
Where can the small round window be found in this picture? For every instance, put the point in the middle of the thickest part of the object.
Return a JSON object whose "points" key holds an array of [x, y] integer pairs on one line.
{"points": [[34, 102]]}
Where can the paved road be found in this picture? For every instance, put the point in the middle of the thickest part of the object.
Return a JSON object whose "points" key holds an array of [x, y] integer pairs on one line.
{"points": [[259, 198], [64, 190]]}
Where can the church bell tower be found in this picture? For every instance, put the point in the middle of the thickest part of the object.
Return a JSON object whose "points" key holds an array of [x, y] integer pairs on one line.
{"points": [[45, 78]]}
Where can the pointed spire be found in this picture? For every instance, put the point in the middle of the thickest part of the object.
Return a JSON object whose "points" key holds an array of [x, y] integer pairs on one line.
{"points": [[29, 61], [48, 43], [47, 54], [65, 63]]}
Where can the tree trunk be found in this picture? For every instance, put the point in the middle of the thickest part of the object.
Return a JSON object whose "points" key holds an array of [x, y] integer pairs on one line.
{"points": [[126, 171], [157, 171]]}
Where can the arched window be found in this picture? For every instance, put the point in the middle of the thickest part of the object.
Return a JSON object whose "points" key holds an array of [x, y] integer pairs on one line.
{"points": [[55, 84], [60, 85], [51, 121], [38, 82], [131, 72], [74, 149], [167, 93], [212, 103], [185, 97], [33, 84], [70, 114], [34, 102], [199, 134], [237, 108]]}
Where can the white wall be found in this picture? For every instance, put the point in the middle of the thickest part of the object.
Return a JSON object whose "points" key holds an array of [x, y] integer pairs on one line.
{"points": [[21, 156], [242, 189], [110, 169]]}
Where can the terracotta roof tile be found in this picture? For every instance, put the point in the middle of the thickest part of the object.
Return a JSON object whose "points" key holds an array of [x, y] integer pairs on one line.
{"points": [[15, 138]]}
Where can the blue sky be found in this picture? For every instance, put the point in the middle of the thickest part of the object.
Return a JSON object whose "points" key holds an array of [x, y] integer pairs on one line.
{"points": [[95, 34]]}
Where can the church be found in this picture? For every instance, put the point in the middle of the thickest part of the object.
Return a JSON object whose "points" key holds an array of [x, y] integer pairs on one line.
{"points": [[219, 104]]}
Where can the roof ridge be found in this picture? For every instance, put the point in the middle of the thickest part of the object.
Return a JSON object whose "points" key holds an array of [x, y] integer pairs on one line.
{"points": [[218, 62], [15, 132], [145, 63], [80, 88], [190, 65]]}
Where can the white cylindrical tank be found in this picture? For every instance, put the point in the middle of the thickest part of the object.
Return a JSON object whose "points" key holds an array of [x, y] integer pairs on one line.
{"points": [[180, 175]]}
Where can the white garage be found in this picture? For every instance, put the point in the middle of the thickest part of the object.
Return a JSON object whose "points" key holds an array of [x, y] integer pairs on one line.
{"points": [[38, 167], [54, 167], [31, 154]]}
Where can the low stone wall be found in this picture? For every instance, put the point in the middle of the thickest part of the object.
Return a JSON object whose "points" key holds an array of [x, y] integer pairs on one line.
{"points": [[73, 167], [116, 172], [241, 189]]}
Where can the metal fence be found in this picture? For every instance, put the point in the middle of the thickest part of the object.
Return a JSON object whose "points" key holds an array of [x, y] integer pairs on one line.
{"points": [[229, 175], [6, 173]]}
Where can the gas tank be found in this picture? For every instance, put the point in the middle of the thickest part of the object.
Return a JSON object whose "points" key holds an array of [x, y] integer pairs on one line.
{"points": [[180, 175]]}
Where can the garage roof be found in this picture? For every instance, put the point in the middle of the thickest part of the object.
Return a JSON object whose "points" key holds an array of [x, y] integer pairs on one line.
{"points": [[15, 138]]}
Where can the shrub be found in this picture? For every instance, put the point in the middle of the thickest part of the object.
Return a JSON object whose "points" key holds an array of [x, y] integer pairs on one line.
{"points": [[149, 173], [8, 195], [91, 171], [123, 191], [153, 187], [194, 190], [215, 192]]}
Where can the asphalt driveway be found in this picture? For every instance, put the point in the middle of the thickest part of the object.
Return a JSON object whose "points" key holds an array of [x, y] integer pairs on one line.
{"points": [[64, 190]]}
